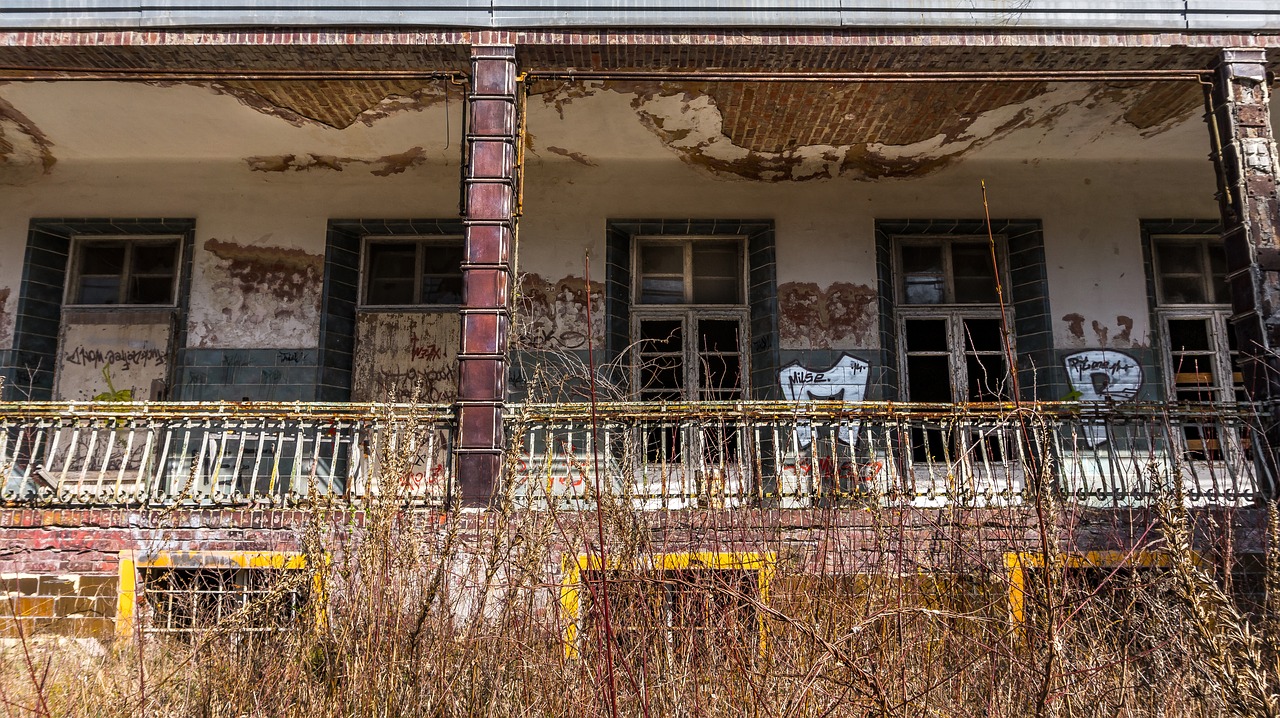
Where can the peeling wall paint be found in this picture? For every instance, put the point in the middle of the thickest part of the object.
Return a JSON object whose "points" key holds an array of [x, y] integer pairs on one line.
{"points": [[337, 103], [553, 315], [398, 353], [258, 296], [6, 319], [133, 355], [379, 166], [842, 316], [26, 153], [1082, 332], [858, 131]]}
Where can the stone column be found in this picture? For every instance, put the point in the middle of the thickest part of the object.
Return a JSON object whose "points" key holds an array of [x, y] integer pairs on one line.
{"points": [[489, 219], [1244, 152]]}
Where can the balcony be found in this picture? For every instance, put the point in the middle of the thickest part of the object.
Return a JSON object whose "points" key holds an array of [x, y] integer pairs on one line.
{"points": [[648, 456]]}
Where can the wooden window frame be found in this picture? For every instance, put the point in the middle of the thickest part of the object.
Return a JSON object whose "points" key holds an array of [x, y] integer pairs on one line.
{"points": [[420, 243], [129, 241]]}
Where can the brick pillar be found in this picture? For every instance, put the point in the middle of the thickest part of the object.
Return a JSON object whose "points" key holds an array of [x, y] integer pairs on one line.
{"points": [[489, 218], [1244, 151]]}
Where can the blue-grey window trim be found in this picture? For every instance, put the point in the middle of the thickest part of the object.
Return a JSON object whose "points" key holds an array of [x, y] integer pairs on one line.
{"points": [[1028, 296], [762, 286], [1150, 228], [29, 372], [341, 295]]}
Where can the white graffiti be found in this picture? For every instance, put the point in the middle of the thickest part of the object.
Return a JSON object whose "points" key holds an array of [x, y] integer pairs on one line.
{"points": [[845, 381], [1103, 376]]}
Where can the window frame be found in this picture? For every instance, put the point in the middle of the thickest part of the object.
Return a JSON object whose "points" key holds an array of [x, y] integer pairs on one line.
{"points": [[75, 260], [686, 242], [419, 242], [946, 242], [1203, 242]]}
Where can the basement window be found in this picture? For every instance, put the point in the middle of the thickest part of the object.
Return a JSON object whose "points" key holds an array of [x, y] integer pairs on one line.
{"points": [[139, 271], [694, 606], [183, 600], [400, 272]]}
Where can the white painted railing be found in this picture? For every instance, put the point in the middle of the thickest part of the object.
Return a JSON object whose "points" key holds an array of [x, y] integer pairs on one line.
{"points": [[223, 454]]}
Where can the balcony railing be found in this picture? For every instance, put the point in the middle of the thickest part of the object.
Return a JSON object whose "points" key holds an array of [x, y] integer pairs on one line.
{"points": [[215, 455], [790, 455], [649, 456]]}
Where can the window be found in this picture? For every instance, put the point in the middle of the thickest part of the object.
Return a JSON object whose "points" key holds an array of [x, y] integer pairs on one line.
{"points": [[1192, 306], [689, 320], [185, 593], [412, 272], [139, 271], [951, 340], [681, 606]]}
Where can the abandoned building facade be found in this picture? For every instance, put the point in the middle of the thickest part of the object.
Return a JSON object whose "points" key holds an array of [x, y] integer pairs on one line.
{"points": [[766, 264]]}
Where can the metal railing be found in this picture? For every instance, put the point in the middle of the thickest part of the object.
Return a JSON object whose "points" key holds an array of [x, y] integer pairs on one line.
{"points": [[654, 456], [223, 455], [797, 455]]}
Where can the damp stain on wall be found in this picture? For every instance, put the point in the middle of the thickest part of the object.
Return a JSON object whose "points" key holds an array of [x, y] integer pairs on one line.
{"points": [[552, 315], [258, 293], [841, 316]]}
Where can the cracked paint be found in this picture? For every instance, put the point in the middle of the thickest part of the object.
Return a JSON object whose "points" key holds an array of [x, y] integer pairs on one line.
{"points": [[553, 315], [259, 295], [842, 316], [379, 167]]}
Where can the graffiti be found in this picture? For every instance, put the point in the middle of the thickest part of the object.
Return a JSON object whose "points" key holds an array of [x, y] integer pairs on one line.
{"points": [[122, 358], [1103, 376], [291, 356], [845, 381], [416, 479], [554, 316], [431, 385], [235, 361], [424, 350]]}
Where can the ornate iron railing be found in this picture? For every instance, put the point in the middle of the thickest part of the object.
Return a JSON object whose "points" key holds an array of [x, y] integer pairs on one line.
{"points": [[211, 454], [794, 455], [652, 456]]}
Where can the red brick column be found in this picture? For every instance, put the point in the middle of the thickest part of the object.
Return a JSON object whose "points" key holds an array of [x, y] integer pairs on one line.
{"points": [[1244, 151], [490, 188]]}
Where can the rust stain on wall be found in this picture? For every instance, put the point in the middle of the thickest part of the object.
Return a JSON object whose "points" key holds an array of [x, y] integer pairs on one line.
{"points": [[397, 354], [22, 142], [378, 166], [258, 293], [553, 315], [337, 103], [842, 316]]}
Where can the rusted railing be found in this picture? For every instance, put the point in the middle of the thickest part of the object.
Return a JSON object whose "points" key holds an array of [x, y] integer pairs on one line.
{"points": [[211, 454], [793, 455], [652, 456]]}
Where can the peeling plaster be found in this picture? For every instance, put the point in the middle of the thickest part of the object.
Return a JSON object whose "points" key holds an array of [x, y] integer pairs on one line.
{"points": [[398, 354], [260, 296], [733, 130], [336, 103], [843, 316], [22, 145], [380, 167], [1104, 335], [575, 156], [553, 315], [6, 319]]}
